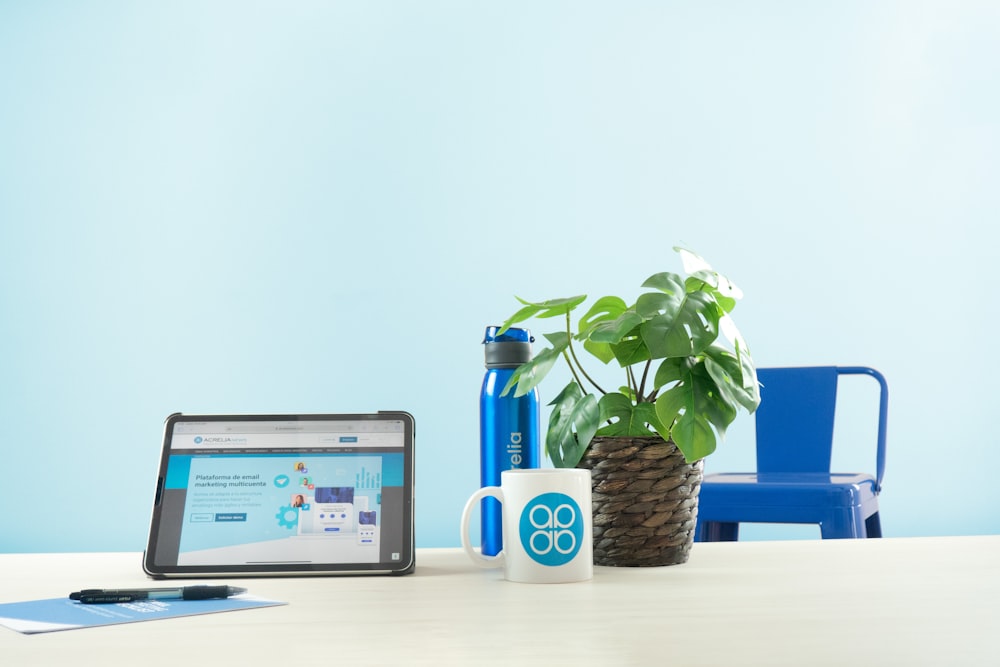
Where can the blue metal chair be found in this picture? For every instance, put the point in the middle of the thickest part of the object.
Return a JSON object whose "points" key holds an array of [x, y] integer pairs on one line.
{"points": [[793, 482]]}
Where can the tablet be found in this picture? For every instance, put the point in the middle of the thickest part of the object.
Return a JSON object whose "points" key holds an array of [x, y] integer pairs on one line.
{"points": [[249, 495]]}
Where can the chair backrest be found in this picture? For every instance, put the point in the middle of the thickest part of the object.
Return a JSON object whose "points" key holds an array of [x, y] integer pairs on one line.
{"points": [[796, 415]]}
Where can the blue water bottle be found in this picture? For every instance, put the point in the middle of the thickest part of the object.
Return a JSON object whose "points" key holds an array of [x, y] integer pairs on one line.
{"points": [[508, 426]]}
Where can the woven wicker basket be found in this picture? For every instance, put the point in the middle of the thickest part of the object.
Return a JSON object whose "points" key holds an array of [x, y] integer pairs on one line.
{"points": [[645, 501]]}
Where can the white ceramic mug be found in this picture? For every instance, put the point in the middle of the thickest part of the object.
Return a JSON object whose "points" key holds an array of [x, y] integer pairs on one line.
{"points": [[547, 521]]}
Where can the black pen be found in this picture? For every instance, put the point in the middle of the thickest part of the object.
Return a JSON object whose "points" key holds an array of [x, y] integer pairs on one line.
{"points": [[109, 596]]}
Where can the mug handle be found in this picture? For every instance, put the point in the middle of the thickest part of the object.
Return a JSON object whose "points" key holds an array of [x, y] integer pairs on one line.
{"points": [[477, 557]]}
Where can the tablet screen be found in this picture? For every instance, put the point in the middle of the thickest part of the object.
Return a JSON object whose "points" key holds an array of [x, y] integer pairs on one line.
{"points": [[283, 494]]}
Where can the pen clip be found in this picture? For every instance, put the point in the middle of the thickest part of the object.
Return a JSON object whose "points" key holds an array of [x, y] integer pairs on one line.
{"points": [[92, 595], [100, 597], [86, 592]]}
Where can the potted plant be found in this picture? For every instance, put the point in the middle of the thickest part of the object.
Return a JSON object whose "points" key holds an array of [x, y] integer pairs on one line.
{"points": [[687, 372]]}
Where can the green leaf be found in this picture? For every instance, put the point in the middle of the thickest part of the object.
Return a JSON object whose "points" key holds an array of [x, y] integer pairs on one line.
{"points": [[671, 370], [693, 436], [710, 403], [631, 350], [555, 307], [705, 396], [627, 392], [602, 351], [604, 309], [692, 263], [528, 375], [736, 382], [668, 283], [690, 409], [523, 314], [689, 332], [725, 291], [542, 309], [559, 339], [614, 331], [572, 425], [651, 304], [627, 418], [750, 383], [713, 404], [725, 301], [721, 285], [670, 404], [729, 331]]}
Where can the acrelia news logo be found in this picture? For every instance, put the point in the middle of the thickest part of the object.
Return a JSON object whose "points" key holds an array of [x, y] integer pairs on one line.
{"points": [[219, 441], [551, 529]]}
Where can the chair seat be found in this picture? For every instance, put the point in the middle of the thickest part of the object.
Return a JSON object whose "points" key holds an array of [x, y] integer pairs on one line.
{"points": [[840, 503]]}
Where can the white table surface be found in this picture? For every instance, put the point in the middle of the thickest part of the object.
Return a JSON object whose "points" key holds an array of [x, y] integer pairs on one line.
{"points": [[902, 601]]}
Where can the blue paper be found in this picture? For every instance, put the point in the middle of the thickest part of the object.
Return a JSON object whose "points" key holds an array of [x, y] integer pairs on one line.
{"points": [[36, 616]]}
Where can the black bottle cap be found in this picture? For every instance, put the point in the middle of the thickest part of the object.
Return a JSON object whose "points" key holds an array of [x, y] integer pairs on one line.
{"points": [[508, 350]]}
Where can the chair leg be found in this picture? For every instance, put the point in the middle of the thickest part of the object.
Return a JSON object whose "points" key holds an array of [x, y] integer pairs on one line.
{"points": [[717, 531], [843, 523], [873, 526]]}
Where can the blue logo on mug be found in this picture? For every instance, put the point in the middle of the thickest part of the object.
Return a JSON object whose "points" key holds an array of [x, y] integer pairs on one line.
{"points": [[551, 529]]}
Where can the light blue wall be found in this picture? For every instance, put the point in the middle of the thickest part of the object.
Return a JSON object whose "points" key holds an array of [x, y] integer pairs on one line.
{"points": [[317, 206]]}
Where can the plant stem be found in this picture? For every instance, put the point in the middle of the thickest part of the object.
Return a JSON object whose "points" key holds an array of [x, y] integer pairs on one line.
{"points": [[572, 369], [642, 385], [572, 352], [632, 384]]}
